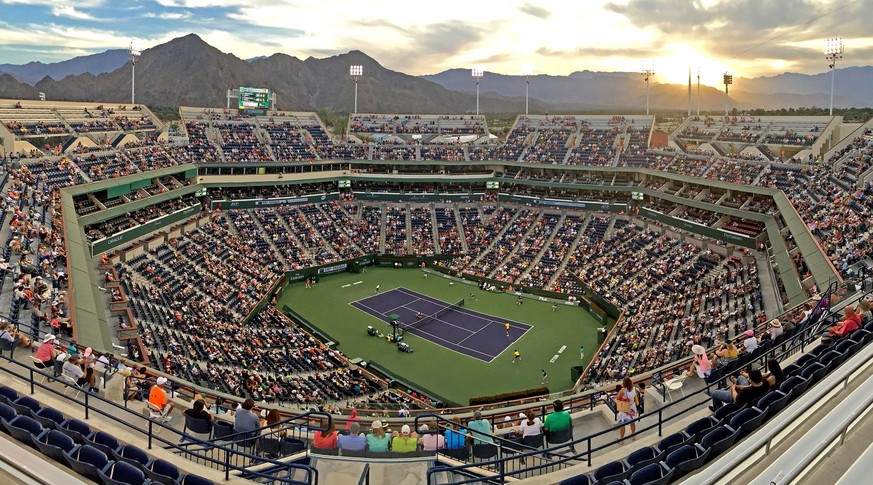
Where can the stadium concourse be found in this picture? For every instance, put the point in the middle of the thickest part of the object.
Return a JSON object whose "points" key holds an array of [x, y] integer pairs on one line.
{"points": [[163, 248]]}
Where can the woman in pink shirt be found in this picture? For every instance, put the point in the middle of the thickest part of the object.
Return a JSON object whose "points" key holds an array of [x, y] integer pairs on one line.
{"points": [[701, 365], [431, 441], [46, 352]]}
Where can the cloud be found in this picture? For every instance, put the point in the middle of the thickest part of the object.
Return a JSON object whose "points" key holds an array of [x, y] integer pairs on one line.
{"points": [[184, 15], [535, 11], [70, 12]]}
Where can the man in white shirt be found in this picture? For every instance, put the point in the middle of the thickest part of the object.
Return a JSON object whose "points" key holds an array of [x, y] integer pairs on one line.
{"points": [[750, 343]]}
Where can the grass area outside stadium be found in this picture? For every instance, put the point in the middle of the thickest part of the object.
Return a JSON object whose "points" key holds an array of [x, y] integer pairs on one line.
{"points": [[451, 375]]}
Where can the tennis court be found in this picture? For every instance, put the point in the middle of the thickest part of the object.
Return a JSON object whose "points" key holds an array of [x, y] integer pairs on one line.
{"points": [[454, 327]]}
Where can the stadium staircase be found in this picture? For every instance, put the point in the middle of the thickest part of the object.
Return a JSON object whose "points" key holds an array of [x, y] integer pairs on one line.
{"points": [[383, 211], [269, 239], [460, 225], [407, 217], [436, 230], [518, 246], [488, 249], [767, 167], [543, 249], [570, 252], [292, 234]]}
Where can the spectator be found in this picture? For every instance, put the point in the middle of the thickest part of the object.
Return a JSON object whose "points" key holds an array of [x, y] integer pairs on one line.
{"points": [[274, 429], [776, 328], [10, 335], [46, 352], [354, 441], [750, 343], [327, 439], [246, 421], [377, 440], [480, 429], [351, 419], [530, 425], [558, 419], [725, 354], [158, 397], [198, 411], [431, 441], [775, 375], [405, 442], [850, 323], [626, 403], [742, 391], [456, 438], [701, 364], [73, 370]]}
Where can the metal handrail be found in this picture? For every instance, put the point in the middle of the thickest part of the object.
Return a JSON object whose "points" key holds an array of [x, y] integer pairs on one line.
{"points": [[154, 427], [802, 337]]}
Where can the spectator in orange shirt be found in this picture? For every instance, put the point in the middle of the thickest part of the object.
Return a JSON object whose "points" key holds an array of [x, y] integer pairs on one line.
{"points": [[158, 397]]}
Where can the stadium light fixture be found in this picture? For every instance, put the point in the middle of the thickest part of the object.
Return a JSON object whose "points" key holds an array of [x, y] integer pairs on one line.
{"points": [[477, 72], [833, 50], [135, 52], [728, 80], [647, 74], [527, 72], [357, 72]]}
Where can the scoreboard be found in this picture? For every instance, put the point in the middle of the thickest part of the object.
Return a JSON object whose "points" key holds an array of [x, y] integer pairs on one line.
{"points": [[254, 98]]}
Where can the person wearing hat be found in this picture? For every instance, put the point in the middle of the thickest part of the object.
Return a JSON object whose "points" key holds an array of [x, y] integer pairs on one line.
{"points": [[158, 397], [46, 352], [775, 329], [701, 364], [750, 343], [404, 442], [351, 419], [377, 440], [72, 369], [355, 440]]}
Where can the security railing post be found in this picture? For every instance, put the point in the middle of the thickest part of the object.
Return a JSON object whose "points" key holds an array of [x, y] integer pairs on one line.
{"points": [[87, 406], [32, 390], [151, 423], [660, 422], [227, 463]]}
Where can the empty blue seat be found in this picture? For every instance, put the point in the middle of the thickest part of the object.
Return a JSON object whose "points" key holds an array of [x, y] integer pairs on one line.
{"points": [[773, 402], [76, 429], [23, 428], [88, 461], [719, 440], [162, 471], [196, 480], [121, 473], [794, 386], [49, 417], [7, 412], [132, 454], [726, 412], [652, 474], [686, 458], [7, 394], [104, 442], [747, 420], [26, 405], [610, 472], [581, 479], [642, 457], [697, 429], [813, 372], [672, 442], [54, 444]]}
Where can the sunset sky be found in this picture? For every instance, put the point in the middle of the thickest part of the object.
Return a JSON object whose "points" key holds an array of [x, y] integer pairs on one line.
{"points": [[746, 37]]}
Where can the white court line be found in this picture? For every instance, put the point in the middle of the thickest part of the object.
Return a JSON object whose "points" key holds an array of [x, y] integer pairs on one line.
{"points": [[513, 343], [357, 282], [345, 286], [476, 315], [562, 349], [402, 306], [372, 296]]}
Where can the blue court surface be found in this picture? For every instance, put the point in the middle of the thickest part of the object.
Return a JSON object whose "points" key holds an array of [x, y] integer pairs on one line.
{"points": [[466, 331]]}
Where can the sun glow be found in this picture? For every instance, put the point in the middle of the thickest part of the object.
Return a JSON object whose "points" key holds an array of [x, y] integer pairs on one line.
{"points": [[678, 59]]}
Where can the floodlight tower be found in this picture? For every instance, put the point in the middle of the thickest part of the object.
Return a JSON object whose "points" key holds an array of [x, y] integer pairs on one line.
{"points": [[477, 72], [647, 74], [527, 72], [833, 50], [135, 52], [357, 72], [698, 91], [728, 80]]}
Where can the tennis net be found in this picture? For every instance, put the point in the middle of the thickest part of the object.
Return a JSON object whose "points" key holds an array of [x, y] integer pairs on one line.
{"points": [[429, 318]]}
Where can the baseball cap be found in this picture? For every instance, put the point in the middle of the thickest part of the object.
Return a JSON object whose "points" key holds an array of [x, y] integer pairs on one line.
{"points": [[404, 429], [161, 381], [750, 333]]}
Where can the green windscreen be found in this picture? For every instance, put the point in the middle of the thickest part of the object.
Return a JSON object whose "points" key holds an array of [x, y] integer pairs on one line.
{"points": [[118, 190]]}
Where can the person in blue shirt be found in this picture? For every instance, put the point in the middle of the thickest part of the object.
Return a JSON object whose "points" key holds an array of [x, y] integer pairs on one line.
{"points": [[456, 438], [480, 429], [354, 441]]}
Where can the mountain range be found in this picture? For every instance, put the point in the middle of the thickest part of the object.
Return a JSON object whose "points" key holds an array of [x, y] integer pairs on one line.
{"points": [[188, 71]]}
